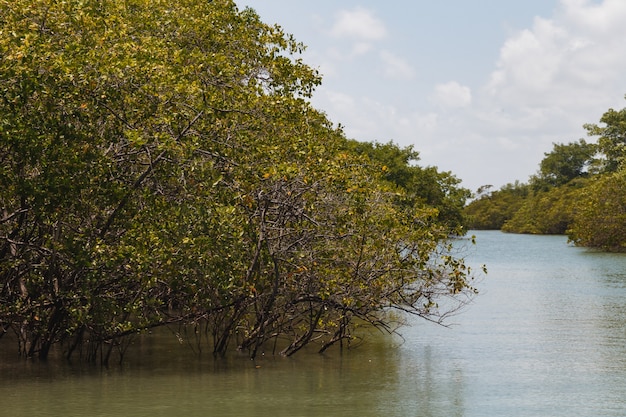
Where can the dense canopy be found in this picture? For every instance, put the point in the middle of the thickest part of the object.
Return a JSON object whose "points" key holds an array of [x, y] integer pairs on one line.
{"points": [[160, 165]]}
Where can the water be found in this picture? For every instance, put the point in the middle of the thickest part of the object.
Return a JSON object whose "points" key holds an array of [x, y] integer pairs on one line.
{"points": [[546, 337]]}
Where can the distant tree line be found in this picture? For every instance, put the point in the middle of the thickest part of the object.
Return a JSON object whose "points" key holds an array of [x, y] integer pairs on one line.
{"points": [[160, 164], [579, 190]]}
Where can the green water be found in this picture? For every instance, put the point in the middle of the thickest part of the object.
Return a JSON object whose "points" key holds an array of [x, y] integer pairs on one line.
{"points": [[546, 337]]}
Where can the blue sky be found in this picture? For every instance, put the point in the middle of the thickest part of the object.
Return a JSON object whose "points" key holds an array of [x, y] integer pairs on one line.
{"points": [[481, 88]]}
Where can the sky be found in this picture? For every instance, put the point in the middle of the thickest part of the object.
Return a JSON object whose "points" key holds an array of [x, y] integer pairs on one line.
{"points": [[481, 88]]}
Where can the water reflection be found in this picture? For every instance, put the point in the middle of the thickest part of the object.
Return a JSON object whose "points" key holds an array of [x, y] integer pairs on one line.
{"points": [[431, 385]]}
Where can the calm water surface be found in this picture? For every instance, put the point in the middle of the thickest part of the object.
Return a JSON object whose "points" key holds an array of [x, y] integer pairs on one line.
{"points": [[546, 337]]}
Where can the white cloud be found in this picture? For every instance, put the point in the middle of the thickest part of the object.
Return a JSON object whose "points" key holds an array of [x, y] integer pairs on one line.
{"points": [[601, 19], [395, 67], [552, 78], [565, 61], [360, 48], [452, 95], [360, 24], [340, 100], [530, 60], [549, 79], [368, 119]]}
